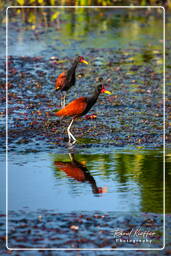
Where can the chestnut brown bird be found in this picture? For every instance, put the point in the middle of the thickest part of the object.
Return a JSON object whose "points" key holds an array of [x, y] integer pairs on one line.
{"points": [[67, 78], [79, 172], [80, 107]]}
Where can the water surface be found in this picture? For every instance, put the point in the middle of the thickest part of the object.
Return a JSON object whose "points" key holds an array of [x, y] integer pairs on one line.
{"points": [[117, 164], [124, 49], [124, 182]]}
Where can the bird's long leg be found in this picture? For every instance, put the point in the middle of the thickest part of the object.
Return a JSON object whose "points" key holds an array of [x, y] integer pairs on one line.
{"points": [[70, 135], [71, 156], [64, 101], [68, 130], [63, 96], [61, 100]]}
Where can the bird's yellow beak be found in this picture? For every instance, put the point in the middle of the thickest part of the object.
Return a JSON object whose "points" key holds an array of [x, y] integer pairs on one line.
{"points": [[84, 61], [106, 91]]}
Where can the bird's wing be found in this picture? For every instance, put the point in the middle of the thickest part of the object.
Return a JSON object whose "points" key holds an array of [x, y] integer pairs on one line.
{"points": [[71, 170], [75, 107], [60, 80]]}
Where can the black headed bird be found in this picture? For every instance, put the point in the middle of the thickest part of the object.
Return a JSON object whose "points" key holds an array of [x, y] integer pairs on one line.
{"points": [[80, 107], [67, 78]]}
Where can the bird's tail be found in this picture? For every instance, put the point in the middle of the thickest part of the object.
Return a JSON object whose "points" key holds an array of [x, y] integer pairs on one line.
{"points": [[59, 113]]}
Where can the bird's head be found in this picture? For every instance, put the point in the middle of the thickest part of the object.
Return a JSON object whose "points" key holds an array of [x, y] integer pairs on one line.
{"points": [[101, 190], [82, 60], [102, 89]]}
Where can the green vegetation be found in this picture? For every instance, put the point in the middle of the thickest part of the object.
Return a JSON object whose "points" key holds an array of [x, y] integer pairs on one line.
{"points": [[31, 15], [86, 2], [145, 169]]}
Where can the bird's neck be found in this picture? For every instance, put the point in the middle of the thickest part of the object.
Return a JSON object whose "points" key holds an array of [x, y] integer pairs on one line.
{"points": [[94, 97], [74, 66], [93, 184]]}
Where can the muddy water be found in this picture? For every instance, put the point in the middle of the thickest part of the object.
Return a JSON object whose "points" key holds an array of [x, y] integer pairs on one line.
{"points": [[118, 156], [125, 50]]}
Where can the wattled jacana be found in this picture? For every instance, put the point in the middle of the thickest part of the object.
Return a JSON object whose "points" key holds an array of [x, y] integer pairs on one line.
{"points": [[80, 107], [79, 172], [67, 78]]}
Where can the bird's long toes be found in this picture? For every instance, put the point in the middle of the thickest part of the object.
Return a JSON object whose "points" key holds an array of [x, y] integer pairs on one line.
{"points": [[74, 142], [70, 145], [72, 136]]}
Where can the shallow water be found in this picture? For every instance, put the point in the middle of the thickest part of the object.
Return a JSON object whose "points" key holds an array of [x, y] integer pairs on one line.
{"points": [[129, 181], [116, 166], [122, 146], [125, 49], [76, 30]]}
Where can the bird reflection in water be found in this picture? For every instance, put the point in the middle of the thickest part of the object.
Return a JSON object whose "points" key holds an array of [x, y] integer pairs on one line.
{"points": [[79, 172]]}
